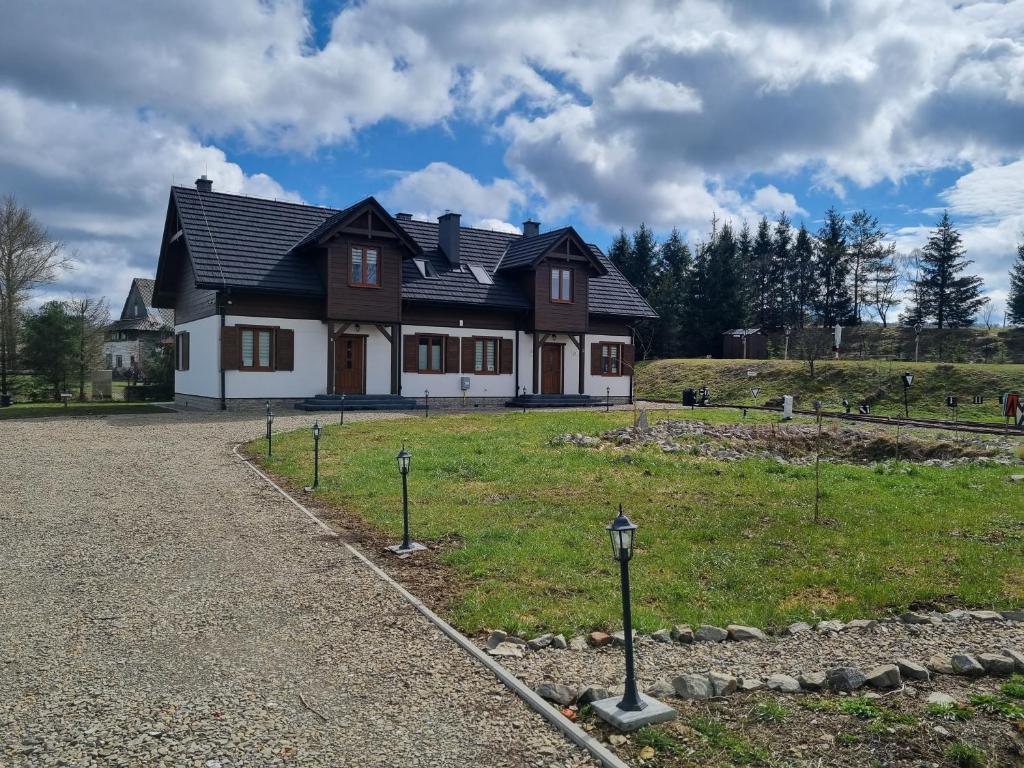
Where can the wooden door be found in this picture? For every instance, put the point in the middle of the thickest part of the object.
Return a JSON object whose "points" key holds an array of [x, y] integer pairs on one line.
{"points": [[350, 365], [551, 369]]}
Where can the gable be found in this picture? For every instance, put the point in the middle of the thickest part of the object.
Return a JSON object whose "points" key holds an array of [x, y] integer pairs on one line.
{"points": [[366, 218], [528, 252]]}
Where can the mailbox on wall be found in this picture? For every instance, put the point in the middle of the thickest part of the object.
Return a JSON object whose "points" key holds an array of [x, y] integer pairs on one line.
{"points": [[464, 383]]}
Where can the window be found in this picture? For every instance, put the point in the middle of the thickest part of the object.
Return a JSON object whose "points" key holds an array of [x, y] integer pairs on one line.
{"points": [[120, 360], [485, 356], [611, 359], [110, 361], [425, 268], [561, 285], [481, 275], [431, 354], [365, 267], [257, 351]]}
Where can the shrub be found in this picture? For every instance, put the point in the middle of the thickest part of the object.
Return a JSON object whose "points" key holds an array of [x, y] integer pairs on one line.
{"points": [[965, 755], [953, 712]]}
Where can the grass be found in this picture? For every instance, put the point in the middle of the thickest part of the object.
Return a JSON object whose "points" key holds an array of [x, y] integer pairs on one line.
{"points": [[835, 381], [734, 747], [521, 524], [992, 704], [860, 707], [74, 408], [965, 755], [769, 711], [1014, 687], [954, 712]]}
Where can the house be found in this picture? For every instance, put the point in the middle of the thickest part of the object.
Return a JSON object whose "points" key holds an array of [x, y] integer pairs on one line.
{"points": [[286, 302], [140, 329], [745, 344]]}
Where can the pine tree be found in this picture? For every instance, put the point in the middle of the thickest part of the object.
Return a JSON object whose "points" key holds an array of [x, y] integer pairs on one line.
{"points": [[724, 291], [621, 253], [834, 303], [761, 255], [947, 295], [778, 273], [866, 250], [669, 295], [1015, 301], [645, 258], [744, 264], [693, 342], [802, 277]]}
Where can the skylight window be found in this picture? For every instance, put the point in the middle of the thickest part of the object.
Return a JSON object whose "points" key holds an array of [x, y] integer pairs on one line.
{"points": [[481, 275], [425, 267]]}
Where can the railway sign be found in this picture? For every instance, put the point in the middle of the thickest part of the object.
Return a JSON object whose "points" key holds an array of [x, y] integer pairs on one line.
{"points": [[846, 405], [755, 391], [951, 401], [864, 409], [1011, 403], [978, 399]]}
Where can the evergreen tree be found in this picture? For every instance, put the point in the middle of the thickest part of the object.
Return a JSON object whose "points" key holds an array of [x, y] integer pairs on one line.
{"points": [[802, 278], [669, 295], [645, 260], [834, 303], [724, 290], [946, 294], [761, 256], [1015, 301], [621, 253], [778, 273], [744, 264], [866, 250], [693, 341], [49, 344]]}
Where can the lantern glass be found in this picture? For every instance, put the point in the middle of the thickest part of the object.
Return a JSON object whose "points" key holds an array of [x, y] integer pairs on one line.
{"points": [[270, 417], [622, 533], [316, 430], [404, 459]]}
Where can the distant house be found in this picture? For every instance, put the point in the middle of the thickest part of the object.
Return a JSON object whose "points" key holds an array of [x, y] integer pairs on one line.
{"points": [[745, 344], [279, 301], [141, 328]]}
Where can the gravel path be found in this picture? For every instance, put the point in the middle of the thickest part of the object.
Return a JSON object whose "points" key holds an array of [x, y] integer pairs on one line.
{"points": [[161, 606]]}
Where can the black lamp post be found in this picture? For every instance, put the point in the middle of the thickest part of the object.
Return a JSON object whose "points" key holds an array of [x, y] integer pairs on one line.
{"points": [[524, 398], [270, 431], [607, 399], [908, 379], [623, 536], [342, 421], [404, 459], [316, 453], [426, 403]]}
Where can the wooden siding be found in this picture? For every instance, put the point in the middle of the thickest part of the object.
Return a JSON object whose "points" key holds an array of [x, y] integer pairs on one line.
{"points": [[380, 305], [609, 326], [561, 317], [271, 305], [449, 317], [190, 303]]}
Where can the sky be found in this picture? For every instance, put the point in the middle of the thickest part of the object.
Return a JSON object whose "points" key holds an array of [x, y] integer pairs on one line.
{"points": [[593, 113]]}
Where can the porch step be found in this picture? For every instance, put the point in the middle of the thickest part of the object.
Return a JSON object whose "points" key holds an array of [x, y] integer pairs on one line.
{"points": [[359, 403], [555, 401]]}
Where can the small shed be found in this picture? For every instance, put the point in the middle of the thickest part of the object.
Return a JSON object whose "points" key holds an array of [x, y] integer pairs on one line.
{"points": [[745, 344]]}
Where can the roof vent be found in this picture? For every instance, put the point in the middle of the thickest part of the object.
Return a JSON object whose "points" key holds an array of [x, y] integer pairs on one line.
{"points": [[203, 184], [404, 216], [531, 228], [448, 236]]}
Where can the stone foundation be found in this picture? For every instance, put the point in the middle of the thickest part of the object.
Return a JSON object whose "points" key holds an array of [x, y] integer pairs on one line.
{"points": [[283, 405]]}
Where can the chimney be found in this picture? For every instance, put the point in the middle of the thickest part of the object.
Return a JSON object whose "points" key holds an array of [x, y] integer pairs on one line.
{"points": [[531, 228], [448, 236], [203, 184], [403, 216]]}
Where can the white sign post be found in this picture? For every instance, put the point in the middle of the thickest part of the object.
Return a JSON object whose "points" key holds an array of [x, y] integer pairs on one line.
{"points": [[787, 406]]}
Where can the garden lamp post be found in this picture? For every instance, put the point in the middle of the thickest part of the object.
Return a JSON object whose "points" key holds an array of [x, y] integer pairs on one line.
{"points": [[917, 340], [785, 354], [607, 399], [623, 536], [524, 398], [908, 379], [316, 453], [404, 459], [270, 431], [426, 403], [268, 418], [342, 421]]}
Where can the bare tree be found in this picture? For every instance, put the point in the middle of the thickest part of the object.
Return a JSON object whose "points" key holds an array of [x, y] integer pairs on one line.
{"points": [[29, 257], [884, 284], [91, 317], [988, 316], [812, 344]]}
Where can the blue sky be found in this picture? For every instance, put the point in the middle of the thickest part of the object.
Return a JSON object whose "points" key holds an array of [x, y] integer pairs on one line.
{"points": [[570, 113]]}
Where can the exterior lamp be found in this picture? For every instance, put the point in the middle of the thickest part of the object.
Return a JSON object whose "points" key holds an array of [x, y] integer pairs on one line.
{"points": [[426, 403], [342, 421], [524, 398], [908, 379], [404, 459], [316, 455], [607, 399], [634, 710], [270, 431]]}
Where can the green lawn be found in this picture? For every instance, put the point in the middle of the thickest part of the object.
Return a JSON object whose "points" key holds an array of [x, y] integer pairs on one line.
{"points": [[878, 382], [74, 408], [718, 542]]}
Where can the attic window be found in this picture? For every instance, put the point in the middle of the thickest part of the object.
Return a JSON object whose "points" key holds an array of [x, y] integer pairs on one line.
{"points": [[481, 275], [425, 267]]}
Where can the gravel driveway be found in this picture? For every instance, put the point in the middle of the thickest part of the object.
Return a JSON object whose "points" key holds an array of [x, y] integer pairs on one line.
{"points": [[160, 605]]}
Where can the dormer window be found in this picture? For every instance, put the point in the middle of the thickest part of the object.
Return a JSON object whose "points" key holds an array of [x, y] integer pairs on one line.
{"points": [[365, 267], [426, 269], [561, 285]]}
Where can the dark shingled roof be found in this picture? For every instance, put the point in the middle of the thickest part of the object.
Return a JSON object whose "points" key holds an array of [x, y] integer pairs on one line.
{"points": [[145, 288], [252, 243], [524, 251]]}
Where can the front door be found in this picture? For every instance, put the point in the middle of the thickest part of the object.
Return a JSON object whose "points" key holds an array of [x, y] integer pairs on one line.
{"points": [[349, 365], [551, 369]]}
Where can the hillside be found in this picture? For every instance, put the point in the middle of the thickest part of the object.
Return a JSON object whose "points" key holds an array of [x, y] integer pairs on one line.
{"points": [[878, 383]]}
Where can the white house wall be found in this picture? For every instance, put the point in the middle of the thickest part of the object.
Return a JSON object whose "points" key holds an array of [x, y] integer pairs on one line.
{"points": [[449, 384], [595, 385], [203, 375], [308, 378]]}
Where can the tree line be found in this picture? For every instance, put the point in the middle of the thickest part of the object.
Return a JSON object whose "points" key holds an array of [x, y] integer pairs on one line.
{"points": [[777, 275]]}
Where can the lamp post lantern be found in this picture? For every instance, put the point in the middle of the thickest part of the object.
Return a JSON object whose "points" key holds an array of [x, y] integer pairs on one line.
{"points": [[404, 459], [908, 379], [917, 340], [524, 398], [270, 431], [342, 421]]}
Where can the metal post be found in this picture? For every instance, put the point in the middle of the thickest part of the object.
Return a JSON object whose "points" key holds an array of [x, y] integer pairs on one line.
{"points": [[631, 701], [607, 399], [524, 398], [270, 439], [316, 461], [406, 543], [426, 403], [906, 402], [342, 422]]}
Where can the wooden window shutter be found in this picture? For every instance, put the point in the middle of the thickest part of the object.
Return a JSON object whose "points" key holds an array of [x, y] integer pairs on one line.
{"points": [[451, 355], [628, 358], [284, 349], [410, 353], [177, 351], [468, 355], [230, 352], [184, 350], [595, 359], [506, 355]]}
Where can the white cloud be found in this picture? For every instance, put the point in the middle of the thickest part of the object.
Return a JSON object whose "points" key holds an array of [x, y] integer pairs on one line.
{"points": [[651, 94], [769, 201]]}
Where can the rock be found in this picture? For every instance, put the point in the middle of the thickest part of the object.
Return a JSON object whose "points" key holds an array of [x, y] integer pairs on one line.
{"points": [[812, 681], [862, 624], [943, 732], [708, 634], [593, 693], [845, 679], [831, 625], [690, 686], [966, 665], [940, 664], [600, 639], [885, 676], [782, 683], [940, 699], [911, 670], [957, 615], [722, 684], [646, 753], [740, 632], [507, 650], [578, 643], [682, 633], [913, 617], [556, 692], [1017, 478], [996, 664], [986, 616], [543, 641], [662, 636], [616, 739], [558, 641], [515, 640], [797, 628], [619, 638], [1017, 657], [660, 688], [497, 636], [1013, 615], [747, 684]]}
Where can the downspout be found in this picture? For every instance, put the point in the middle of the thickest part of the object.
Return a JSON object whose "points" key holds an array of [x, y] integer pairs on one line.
{"points": [[515, 362], [632, 341], [220, 361]]}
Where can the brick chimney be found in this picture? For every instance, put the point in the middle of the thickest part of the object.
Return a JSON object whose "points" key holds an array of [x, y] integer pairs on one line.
{"points": [[448, 236], [203, 184], [531, 228]]}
